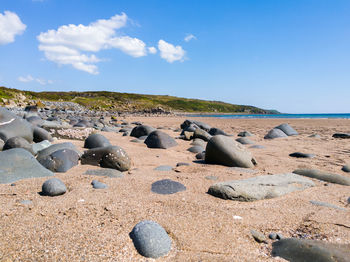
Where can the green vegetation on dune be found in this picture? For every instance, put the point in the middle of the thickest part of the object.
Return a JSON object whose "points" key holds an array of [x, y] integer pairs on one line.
{"points": [[105, 100]]}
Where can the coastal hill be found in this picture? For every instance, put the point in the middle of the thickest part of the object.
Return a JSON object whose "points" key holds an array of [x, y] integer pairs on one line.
{"points": [[127, 102]]}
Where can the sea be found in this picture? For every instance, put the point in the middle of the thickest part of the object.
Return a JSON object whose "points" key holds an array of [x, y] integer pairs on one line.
{"points": [[277, 116]]}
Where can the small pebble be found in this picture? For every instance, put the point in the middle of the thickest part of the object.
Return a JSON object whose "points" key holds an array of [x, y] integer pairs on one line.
{"points": [[26, 202], [258, 236], [98, 185]]}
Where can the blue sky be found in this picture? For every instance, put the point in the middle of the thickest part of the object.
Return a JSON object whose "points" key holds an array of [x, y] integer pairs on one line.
{"points": [[292, 56]]}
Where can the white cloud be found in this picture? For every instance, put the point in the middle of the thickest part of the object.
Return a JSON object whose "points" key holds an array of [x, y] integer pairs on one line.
{"points": [[170, 52], [10, 26], [73, 44], [29, 78], [189, 37], [152, 50]]}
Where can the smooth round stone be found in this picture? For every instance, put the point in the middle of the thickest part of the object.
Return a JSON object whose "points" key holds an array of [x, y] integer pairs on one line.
{"points": [[159, 139], [142, 130], [273, 236], [98, 185], [60, 160], [53, 187], [182, 164], [167, 187], [26, 202], [96, 140], [216, 131], [346, 168], [302, 155], [150, 239], [40, 134], [164, 168], [196, 149], [18, 142], [107, 172], [198, 142], [275, 133]]}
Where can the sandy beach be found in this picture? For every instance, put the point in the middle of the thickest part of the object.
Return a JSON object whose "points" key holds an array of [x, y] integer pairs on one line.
{"points": [[94, 225]]}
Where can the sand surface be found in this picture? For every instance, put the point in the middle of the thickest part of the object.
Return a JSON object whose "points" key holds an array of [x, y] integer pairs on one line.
{"points": [[94, 225]]}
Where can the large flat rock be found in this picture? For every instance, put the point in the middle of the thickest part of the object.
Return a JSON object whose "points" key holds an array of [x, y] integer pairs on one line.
{"points": [[17, 164], [260, 187]]}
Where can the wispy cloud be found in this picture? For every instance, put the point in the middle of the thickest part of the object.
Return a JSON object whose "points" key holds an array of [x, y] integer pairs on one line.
{"points": [[189, 37], [10, 26], [76, 45], [29, 78], [152, 50], [170, 52]]}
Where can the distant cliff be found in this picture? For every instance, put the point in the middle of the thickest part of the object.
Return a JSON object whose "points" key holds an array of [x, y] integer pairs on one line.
{"points": [[126, 102]]}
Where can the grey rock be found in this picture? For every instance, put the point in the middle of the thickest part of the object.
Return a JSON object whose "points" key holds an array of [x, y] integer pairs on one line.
{"points": [[35, 120], [17, 164], [324, 204], [341, 135], [225, 151], [107, 172], [150, 239], [36, 147], [159, 139], [257, 147], [98, 185], [216, 131], [164, 168], [258, 236], [293, 249], [11, 126], [260, 187], [302, 155], [201, 125], [108, 129], [2, 143], [201, 134], [274, 236], [141, 130], [53, 148], [346, 168], [245, 134], [196, 149], [324, 176], [61, 160], [40, 134], [315, 136], [244, 141], [96, 140], [275, 133], [110, 157], [199, 142], [18, 142], [200, 156], [53, 187], [287, 129], [167, 187]]}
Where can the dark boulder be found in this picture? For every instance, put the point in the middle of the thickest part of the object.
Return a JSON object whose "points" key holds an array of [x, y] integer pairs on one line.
{"points": [[96, 140], [141, 130], [159, 139], [18, 142], [60, 160]]}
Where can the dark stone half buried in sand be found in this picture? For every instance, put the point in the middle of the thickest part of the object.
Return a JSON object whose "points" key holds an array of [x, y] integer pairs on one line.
{"points": [[17, 164], [195, 149], [287, 129], [324, 176], [341, 135], [301, 155], [244, 134], [167, 187], [346, 168], [98, 185], [293, 249], [163, 168], [275, 133], [107, 172], [159, 139], [260, 187], [142, 130], [216, 131], [150, 239], [96, 140], [109, 157], [224, 150], [244, 141]]}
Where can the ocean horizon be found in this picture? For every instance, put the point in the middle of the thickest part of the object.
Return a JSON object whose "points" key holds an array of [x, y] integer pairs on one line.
{"points": [[277, 116]]}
